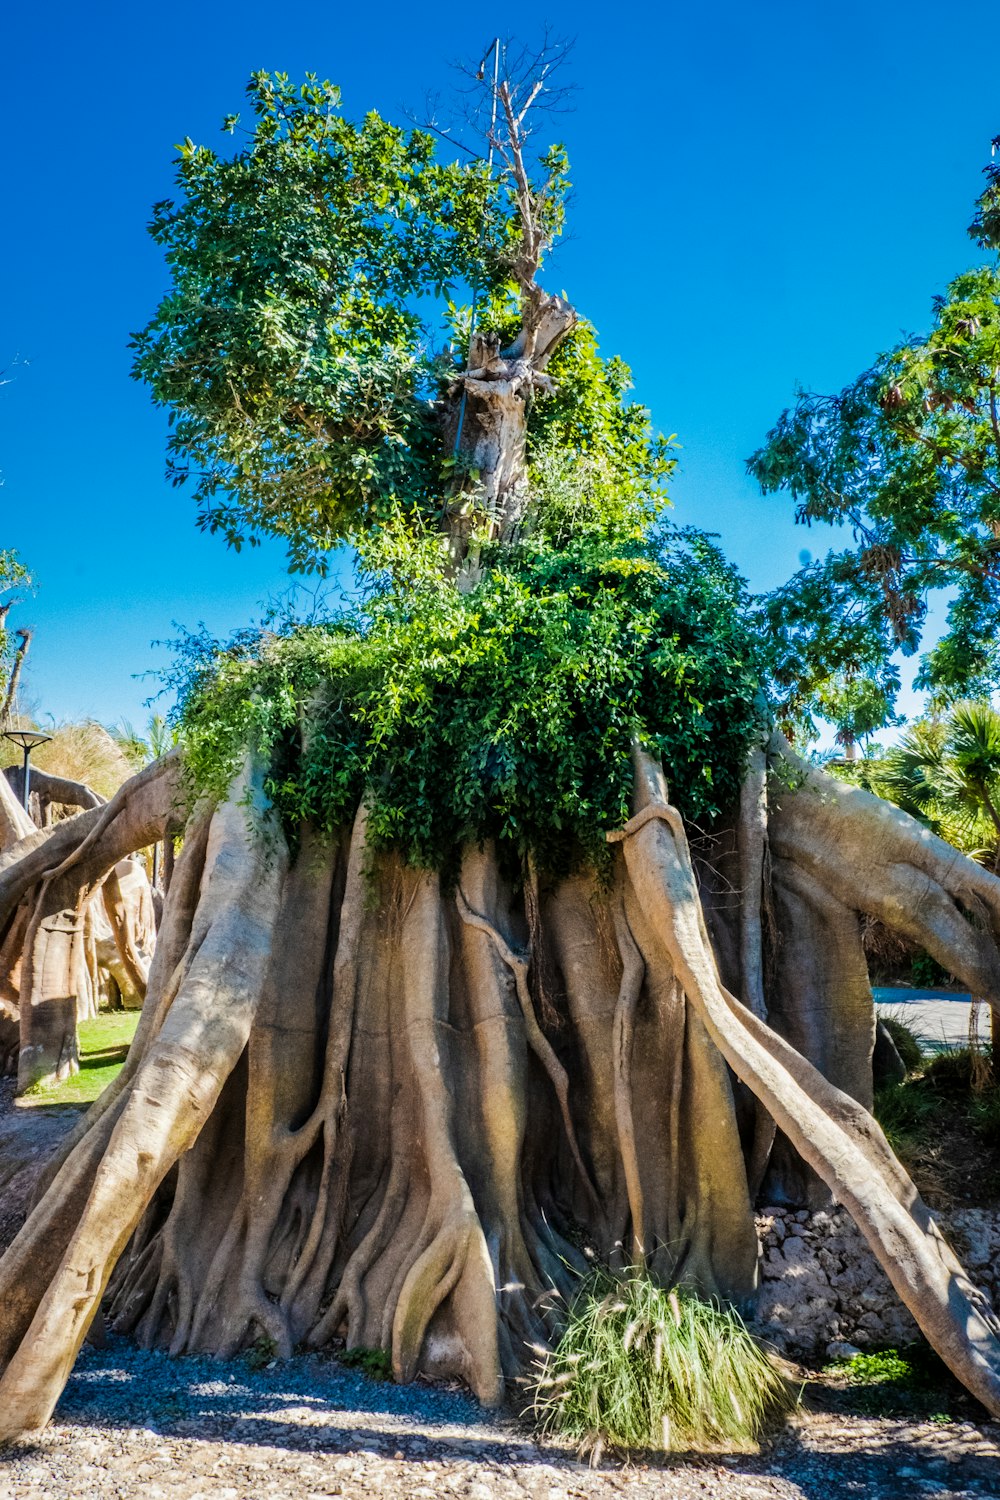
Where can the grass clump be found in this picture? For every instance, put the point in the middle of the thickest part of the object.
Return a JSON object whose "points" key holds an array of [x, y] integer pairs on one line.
{"points": [[905, 1041], [911, 1381], [375, 1363], [905, 1114], [640, 1367]]}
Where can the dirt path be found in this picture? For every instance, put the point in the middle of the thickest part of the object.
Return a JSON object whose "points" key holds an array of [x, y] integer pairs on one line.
{"points": [[134, 1424]]}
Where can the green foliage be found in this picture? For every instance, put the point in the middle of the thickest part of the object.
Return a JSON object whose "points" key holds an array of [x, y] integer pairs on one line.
{"points": [[926, 971], [984, 1115], [952, 1087], [905, 1114], [296, 354], [905, 1040], [504, 713], [375, 1363], [292, 348], [911, 1381], [316, 273], [139, 751], [14, 581], [639, 1367], [597, 468], [874, 1368], [945, 771], [262, 1352], [908, 458]]}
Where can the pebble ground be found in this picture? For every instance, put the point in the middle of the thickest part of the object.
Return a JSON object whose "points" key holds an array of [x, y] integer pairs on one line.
{"points": [[133, 1424]]}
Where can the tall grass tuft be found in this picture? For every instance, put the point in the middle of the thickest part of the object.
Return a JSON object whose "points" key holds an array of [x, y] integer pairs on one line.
{"points": [[84, 752], [639, 1367], [907, 1042]]}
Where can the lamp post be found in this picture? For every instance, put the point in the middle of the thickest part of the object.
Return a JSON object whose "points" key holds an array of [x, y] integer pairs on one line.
{"points": [[26, 740]]}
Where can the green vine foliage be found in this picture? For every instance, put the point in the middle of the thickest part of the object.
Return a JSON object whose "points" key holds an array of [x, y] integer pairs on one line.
{"points": [[507, 713]]}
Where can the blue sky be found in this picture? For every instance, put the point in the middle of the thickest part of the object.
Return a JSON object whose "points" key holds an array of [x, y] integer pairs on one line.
{"points": [[764, 196]]}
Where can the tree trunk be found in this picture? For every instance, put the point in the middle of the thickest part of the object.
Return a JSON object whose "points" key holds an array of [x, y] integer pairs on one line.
{"points": [[10, 697], [397, 1114], [485, 427], [61, 871]]}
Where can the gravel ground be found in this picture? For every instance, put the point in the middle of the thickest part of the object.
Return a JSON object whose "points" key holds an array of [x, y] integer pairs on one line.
{"points": [[133, 1424]]}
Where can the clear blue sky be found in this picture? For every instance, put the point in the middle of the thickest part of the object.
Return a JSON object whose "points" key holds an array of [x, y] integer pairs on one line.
{"points": [[764, 196]]}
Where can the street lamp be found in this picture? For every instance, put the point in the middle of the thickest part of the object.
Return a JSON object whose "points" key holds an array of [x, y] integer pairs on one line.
{"points": [[26, 740]]}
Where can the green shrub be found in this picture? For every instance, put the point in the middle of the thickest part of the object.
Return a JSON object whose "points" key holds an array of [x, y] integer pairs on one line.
{"points": [[375, 1363], [926, 972], [640, 1367], [905, 1112], [906, 1042]]}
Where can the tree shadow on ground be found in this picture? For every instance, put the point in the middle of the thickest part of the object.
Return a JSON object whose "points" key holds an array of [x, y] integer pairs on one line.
{"points": [[316, 1406]]}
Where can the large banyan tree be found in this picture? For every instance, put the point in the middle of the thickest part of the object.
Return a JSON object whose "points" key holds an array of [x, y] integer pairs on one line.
{"points": [[506, 931]]}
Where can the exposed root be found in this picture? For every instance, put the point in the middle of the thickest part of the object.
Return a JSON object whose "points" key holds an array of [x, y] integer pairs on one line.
{"points": [[355, 1110], [173, 1092], [633, 973], [875, 859], [56, 871], [857, 1165], [455, 1264], [539, 1043]]}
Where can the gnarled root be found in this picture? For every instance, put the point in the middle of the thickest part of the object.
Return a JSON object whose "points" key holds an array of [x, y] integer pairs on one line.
{"points": [[396, 1115], [154, 1120], [833, 1133], [873, 858], [421, 1191], [55, 872]]}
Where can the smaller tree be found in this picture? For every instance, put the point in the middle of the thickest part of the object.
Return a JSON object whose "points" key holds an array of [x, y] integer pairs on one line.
{"points": [[907, 458], [946, 772], [15, 580]]}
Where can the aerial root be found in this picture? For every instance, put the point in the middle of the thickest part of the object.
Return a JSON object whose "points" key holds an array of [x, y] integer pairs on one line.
{"points": [[818, 1119], [539, 1043], [633, 973], [161, 1115]]}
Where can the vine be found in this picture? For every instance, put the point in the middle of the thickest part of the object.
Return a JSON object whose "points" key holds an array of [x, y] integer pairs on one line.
{"points": [[507, 713]]}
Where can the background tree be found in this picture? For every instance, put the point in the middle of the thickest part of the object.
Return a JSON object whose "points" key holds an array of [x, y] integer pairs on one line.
{"points": [[946, 772], [906, 460], [458, 995], [15, 580]]}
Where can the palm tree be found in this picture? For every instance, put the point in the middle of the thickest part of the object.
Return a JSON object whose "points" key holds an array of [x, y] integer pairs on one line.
{"points": [[947, 773]]}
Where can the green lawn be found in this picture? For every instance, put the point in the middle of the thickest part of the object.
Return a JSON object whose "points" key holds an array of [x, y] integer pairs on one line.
{"points": [[104, 1043]]}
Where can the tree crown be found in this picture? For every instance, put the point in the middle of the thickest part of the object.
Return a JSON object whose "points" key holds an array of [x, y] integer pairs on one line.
{"points": [[323, 279], [907, 457]]}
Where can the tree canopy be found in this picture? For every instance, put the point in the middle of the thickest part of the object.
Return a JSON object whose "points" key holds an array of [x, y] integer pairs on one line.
{"points": [[314, 397], [323, 281], [906, 460]]}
